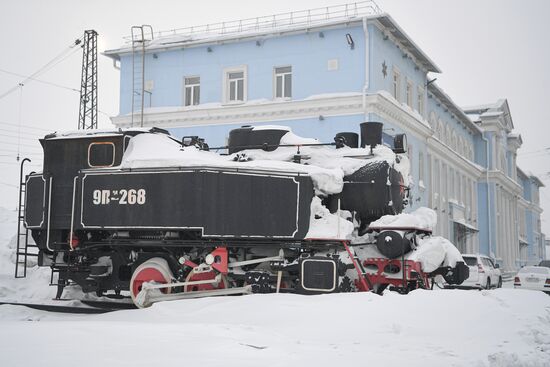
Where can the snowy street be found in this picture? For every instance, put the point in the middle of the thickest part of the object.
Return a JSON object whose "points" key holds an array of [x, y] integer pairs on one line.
{"points": [[503, 327]]}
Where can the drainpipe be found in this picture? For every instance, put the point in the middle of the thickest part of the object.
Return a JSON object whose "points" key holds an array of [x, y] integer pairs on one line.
{"points": [[488, 195], [366, 86]]}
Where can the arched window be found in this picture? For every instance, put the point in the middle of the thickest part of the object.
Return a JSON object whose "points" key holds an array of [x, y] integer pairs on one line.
{"points": [[433, 121], [453, 141]]}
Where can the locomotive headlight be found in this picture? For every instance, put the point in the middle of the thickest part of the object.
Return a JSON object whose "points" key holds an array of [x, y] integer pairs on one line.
{"points": [[209, 259]]}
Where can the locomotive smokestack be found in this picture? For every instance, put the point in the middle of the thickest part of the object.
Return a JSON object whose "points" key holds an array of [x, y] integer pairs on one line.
{"points": [[371, 134]]}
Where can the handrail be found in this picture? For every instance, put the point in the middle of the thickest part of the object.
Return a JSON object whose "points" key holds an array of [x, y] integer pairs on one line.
{"points": [[276, 21]]}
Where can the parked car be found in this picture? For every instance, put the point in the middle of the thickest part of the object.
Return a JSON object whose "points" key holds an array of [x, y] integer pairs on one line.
{"points": [[533, 277], [484, 273], [545, 263]]}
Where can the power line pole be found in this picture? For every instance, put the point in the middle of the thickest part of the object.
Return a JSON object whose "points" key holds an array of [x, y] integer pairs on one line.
{"points": [[87, 117]]}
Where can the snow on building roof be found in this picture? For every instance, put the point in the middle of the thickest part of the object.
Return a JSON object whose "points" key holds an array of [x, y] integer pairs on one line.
{"points": [[277, 24], [496, 109]]}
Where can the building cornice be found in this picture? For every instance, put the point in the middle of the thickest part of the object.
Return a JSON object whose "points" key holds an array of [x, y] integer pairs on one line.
{"points": [[267, 111], [500, 178], [436, 147]]}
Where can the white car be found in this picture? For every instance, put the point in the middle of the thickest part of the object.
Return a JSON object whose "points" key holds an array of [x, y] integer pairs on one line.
{"points": [[484, 273], [533, 277]]}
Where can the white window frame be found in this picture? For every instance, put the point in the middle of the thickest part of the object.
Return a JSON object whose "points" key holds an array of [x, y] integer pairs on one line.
{"points": [[396, 84], [275, 74], [226, 83], [192, 87]]}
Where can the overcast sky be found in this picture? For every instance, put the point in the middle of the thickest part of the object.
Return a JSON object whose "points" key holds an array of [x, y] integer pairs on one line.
{"points": [[486, 49]]}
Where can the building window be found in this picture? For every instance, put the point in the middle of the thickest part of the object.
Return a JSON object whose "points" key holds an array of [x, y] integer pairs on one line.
{"points": [[420, 101], [396, 86], [235, 85], [421, 182], [192, 91], [409, 94], [283, 82]]}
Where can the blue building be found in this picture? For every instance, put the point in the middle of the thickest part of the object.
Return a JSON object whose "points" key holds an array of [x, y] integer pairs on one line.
{"points": [[323, 71]]}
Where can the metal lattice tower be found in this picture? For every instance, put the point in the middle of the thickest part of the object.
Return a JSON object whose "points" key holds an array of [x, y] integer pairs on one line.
{"points": [[87, 118]]}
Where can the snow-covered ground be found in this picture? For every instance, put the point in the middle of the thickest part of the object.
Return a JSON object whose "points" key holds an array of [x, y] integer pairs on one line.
{"points": [[504, 327]]}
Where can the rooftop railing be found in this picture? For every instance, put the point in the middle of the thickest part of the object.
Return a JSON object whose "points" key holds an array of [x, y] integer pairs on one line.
{"points": [[302, 18]]}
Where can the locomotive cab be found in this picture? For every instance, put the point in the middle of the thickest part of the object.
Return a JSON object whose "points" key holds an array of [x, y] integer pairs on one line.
{"points": [[48, 210]]}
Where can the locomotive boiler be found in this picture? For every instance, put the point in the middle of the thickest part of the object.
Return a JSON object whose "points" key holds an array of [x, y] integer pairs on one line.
{"points": [[139, 211]]}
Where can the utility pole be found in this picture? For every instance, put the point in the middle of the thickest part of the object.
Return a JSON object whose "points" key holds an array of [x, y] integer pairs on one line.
{"points": [[87, 117]]}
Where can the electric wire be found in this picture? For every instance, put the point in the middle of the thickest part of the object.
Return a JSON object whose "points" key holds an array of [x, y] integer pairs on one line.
{"points": [[40, 81], [70, 50], [22, 125]]}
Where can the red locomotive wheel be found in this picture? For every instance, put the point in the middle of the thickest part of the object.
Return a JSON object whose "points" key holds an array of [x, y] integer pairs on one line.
{"points": [[208, 275], [152, 270]]}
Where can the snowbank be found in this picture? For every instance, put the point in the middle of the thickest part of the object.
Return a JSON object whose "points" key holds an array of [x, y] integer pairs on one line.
{"points": [[504, 327]]}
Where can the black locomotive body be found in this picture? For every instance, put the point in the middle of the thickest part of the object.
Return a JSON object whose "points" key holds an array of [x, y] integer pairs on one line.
{"points": [[198, 228]]}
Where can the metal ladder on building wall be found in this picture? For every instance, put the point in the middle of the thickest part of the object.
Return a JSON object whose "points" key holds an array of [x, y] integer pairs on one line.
{"points": [[24, 249], [140, 36]]}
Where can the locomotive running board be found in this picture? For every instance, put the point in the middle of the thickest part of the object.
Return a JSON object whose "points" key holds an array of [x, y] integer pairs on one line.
{"points": [[146, 299]]}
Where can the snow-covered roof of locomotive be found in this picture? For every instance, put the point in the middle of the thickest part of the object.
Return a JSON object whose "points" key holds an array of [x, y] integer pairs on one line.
{"points": [[79, 134], [325, 165]]}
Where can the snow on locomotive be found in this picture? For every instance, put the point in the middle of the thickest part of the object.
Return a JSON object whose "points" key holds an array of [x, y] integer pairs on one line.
{"points": [[137, 210]]}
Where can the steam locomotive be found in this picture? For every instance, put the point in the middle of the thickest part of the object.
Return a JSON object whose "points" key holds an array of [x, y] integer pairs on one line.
{"points": [[138, 210]]}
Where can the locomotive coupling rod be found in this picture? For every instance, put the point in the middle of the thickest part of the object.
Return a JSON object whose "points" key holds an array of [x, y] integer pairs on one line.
{"points": [[148, 299], [150, 286], [255, 261]]}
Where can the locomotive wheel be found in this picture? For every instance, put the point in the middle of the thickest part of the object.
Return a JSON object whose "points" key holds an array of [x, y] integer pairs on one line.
{"points": [[152, 270], [195, 276]]}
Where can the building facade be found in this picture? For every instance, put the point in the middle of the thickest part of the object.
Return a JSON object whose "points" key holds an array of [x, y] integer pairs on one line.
{"points": [[325, 71]]}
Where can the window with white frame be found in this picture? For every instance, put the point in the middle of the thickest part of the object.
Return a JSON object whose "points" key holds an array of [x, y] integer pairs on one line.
{"points": [[421, 182], [409, 94], [192, 90], [235, 85], [396, 85], [283, 82]]}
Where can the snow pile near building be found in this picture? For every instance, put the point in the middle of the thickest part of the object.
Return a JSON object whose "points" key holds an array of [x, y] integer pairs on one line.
{"points": [[503, 327]]}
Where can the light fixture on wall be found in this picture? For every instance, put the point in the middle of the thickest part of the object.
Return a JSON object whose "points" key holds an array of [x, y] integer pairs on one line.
{"points": [[155, 56], [430, 81], [259, 43], [321, 117], [209, 49], [350, 41], [321, 35]]}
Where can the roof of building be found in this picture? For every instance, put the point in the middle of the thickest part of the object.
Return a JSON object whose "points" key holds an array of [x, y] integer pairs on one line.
{"points": [[498, 108], [528, 175], [276, 25], [453, 107]]}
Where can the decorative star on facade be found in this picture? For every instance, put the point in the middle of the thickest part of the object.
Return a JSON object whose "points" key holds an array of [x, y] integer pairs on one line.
{"points": [[384, 69]]}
